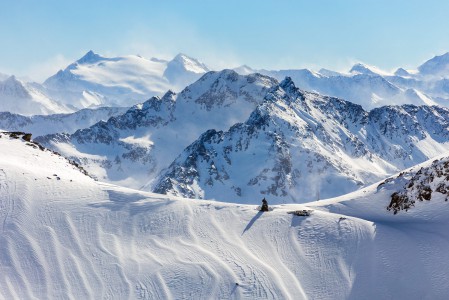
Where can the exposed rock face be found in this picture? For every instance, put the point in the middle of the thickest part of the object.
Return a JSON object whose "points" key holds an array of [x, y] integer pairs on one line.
{"points": [[132, 148], [298, 146], [421, 186]]}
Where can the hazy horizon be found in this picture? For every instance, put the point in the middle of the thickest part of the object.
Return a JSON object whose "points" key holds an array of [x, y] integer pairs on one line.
{"points": [[40, 38]]}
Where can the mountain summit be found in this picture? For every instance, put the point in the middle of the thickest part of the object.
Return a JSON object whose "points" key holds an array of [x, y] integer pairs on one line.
{"points": [[437, 66], [89, 58], [298, 146], [94, 80], [183, 70]]}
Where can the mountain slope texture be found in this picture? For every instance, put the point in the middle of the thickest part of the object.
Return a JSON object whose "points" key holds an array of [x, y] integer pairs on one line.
{"points": [[299, 146], [65, 235], [131, 149]]}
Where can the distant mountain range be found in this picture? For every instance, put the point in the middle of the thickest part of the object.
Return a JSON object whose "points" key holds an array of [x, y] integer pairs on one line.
{"points": [[298, 146], [235, 137], [132, 148], [371, 87], [95, 80], [175, 130]]}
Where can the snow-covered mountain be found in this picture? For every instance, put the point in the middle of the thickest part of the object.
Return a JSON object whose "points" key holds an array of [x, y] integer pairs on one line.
{"points": [[131, 149], [299, 146], [245, 70], [438, 66], [94, 80], [57, 123], [372, 87], [360, 68], [362, 86], [27, 98], [65, 235], [184, 70]]}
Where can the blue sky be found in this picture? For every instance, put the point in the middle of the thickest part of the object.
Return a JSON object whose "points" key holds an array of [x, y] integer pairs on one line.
{"points": [[39, 37]]}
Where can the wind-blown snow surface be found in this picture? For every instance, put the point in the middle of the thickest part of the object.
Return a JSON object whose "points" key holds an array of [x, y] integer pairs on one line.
{"points": [[94, 80], [66, 236]]}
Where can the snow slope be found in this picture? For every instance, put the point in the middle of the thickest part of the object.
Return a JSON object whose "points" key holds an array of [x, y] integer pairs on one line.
{"points": [[94, 80], [65, 235], [27, 98], [184, 70], [438, 66]]}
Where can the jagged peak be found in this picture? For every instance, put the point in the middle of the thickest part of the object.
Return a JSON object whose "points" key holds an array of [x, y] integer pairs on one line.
{"points": [[189, 63], [11, 78], [362, 68], [287, 84], [12, 81], [14, 87], [147, 104], [401, 72], [89, 57], [225, 74], [169, 95], [156, 103]]}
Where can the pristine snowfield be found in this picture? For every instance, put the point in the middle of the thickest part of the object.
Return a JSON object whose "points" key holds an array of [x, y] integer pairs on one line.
{"points": [[65, 235]]}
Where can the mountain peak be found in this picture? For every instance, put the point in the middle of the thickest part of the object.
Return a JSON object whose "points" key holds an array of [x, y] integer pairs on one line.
{"points": [[244, 70], [288, 85], [438, 65], [11, 78], [89, 57], [189, 63], [169, 95], [362, 68], [13, 87], [401, 72]]}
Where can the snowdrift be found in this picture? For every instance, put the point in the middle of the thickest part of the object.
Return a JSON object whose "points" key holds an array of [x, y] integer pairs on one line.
{"points": [[65, 235]]}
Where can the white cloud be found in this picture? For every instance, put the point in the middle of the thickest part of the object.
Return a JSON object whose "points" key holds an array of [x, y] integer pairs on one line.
{"points": [[180, 36], [44, 69]]}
